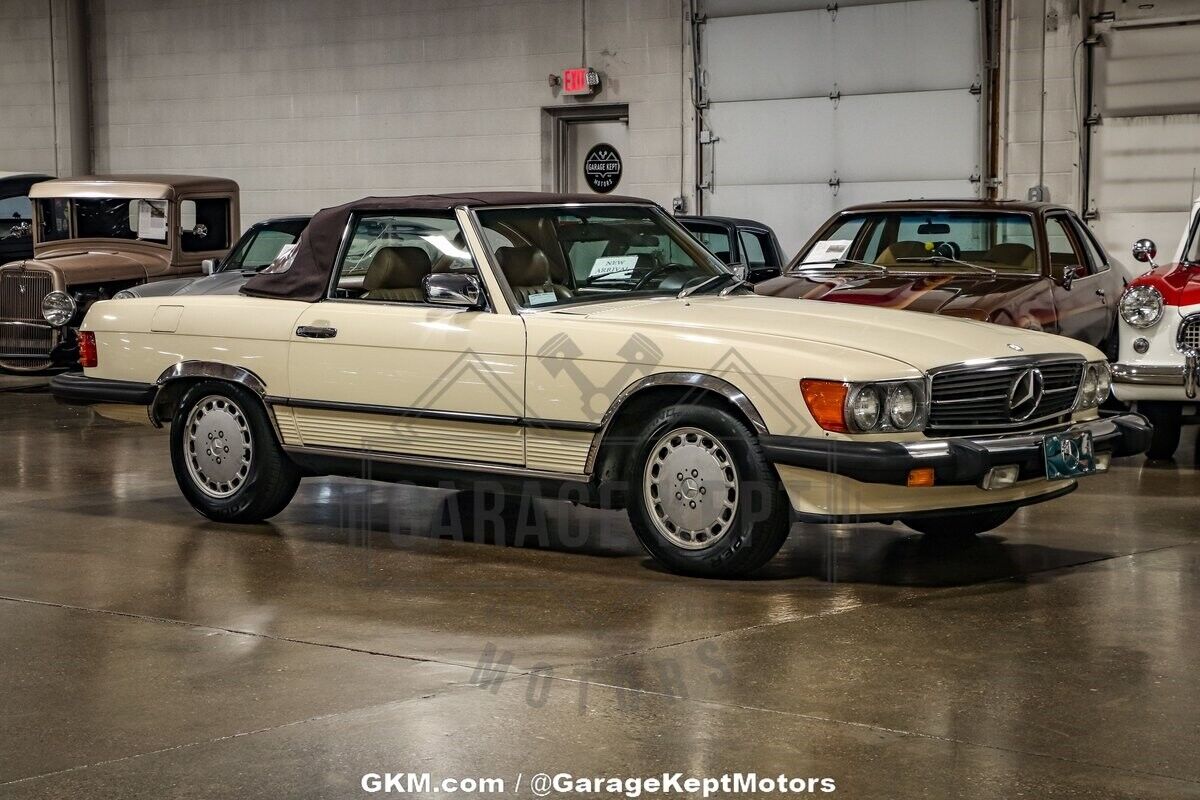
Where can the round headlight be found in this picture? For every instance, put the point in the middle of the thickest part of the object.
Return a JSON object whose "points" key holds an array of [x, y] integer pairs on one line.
{"points": [[865, 408], [124, 294], [902, 406], [1141, 306], [1087, 394], [58, 308]]}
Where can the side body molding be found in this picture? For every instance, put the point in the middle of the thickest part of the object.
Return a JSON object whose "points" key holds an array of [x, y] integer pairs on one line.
{"points": [[696, 381], [201, 369]]}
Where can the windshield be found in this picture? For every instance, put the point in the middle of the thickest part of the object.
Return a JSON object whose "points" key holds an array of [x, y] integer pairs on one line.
{"points": [[556, 256], [103, 218], [917, 241], [262, 244]]}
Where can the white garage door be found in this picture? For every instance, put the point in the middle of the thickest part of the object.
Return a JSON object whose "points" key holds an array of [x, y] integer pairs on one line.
{"points": [[817, 106], [1144, 167]]}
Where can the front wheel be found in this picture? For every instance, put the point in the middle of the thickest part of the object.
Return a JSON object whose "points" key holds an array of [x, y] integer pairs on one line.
{"points": [[1167, 419], [960, 524], [703, 500], [225, 456]]}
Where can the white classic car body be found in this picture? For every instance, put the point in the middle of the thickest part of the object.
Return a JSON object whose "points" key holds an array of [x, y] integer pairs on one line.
{"points": [[539, 393]]}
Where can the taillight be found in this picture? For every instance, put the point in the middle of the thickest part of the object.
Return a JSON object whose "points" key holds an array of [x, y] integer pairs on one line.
{"points": [[88, 355]]}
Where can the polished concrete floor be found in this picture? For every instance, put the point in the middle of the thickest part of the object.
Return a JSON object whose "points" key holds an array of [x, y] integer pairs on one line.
{"points": [[146, 652]]}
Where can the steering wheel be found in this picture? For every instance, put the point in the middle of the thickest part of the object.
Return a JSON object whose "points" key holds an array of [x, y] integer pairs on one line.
{"points": [[948, 250], [654, 272]]}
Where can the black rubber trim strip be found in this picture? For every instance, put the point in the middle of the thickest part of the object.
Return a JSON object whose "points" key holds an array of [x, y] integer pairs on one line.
{"points": [[72, 387], [850, 519], [424, 413]]}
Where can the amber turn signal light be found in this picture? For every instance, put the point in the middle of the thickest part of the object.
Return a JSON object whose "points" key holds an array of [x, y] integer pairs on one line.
{"points": [[826, 401], [88, 356], [920, 477]]}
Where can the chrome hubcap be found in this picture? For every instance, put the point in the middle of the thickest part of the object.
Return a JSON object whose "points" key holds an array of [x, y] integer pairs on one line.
{"points": [[691, 488], [219, 446]]}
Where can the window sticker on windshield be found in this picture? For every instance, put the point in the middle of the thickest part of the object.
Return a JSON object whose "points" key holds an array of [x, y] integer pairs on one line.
{"points": [[609, 265], [152, 219], [830, 250], [542, 298]]}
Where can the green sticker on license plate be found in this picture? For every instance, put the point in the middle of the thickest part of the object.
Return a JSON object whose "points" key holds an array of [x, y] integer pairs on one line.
{"points": [[1069, 455]]}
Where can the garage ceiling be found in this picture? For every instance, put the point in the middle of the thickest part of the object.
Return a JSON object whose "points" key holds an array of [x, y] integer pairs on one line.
{"points": [[803, 123]]}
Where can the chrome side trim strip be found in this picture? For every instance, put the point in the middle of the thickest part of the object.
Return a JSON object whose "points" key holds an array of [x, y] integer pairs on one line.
{"points": [[430, 413], [694, 380], [439, 463]]}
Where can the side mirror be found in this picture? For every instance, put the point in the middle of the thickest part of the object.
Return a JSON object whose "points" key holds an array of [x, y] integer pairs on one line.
{"points": [[209, 265], [1145, 250], [1064, 275], [741, 271], [452, 289]]}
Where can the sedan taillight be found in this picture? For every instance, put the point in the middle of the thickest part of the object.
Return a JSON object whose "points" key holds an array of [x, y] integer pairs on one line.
{"points": [[88, 355]]}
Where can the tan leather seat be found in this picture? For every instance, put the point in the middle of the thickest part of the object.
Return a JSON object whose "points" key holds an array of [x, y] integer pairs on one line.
{"points": [[527, 271], [1011, 254], [898, 250], [395, 274]]}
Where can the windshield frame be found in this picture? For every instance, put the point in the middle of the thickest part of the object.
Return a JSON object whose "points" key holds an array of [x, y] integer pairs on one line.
{"points": [[167, 243], [1192, 248], [796, 267], [684, 240]]}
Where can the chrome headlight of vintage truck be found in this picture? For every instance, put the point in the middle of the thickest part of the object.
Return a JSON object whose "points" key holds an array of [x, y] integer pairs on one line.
{"points": [[58, 308], [1095, 386], [876, 407], [1141, 306]]}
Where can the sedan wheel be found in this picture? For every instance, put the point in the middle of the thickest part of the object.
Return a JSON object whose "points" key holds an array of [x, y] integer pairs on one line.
{"points": [[219, 446], [691, 485]]}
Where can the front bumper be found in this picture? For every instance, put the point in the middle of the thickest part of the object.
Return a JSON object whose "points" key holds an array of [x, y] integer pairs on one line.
{"points": [[955, 462], [74, 388], [1186, 375]]}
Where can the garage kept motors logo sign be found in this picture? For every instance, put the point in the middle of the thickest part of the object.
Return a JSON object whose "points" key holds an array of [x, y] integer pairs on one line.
{"points": [[602, 168]]}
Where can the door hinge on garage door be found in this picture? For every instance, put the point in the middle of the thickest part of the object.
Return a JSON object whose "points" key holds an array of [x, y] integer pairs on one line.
{"points": [[835, 183]]}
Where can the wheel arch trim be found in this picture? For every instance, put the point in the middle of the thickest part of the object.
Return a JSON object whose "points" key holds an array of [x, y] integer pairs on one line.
{"points": [[213, 370]]}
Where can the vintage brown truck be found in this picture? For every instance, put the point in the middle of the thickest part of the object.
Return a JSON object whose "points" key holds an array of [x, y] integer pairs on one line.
{"points": [[96, 235]]}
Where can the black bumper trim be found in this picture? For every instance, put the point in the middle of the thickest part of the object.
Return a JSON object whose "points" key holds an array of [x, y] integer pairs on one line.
{"points": [[854, 519], [72, 387], [955, 461]]}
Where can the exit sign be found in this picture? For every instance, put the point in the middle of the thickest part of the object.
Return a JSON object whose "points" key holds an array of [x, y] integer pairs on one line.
{"points": [[581, 80]]}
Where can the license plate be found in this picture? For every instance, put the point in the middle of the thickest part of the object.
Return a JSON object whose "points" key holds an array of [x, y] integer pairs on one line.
{"points": [[1069, 455]]}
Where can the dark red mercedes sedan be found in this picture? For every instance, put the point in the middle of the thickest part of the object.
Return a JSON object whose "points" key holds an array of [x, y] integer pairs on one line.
{"points": [[1029, 265]]}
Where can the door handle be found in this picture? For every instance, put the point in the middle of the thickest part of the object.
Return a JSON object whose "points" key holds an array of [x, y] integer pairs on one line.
{"points": [[316, 332], [1100, 293]]}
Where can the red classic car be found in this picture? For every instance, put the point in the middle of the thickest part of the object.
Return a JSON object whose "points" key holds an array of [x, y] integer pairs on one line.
{"points": [[1029, 265]]}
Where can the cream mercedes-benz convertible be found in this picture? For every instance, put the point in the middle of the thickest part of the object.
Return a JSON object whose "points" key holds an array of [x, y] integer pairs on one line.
{"points": [[589, 348]]}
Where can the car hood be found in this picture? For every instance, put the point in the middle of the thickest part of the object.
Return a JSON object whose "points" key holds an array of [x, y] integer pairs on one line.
{"points": [[90, 266], [970, 296], [221, 283], [921, 340]]}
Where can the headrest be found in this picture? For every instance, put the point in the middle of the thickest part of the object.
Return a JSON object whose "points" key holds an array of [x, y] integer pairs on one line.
{"points": [[397, 268], [1013, 253], [524, 266], [900, 250]]}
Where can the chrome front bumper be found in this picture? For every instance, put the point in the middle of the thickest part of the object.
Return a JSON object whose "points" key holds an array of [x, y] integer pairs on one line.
{"points": [[1186, 375]]}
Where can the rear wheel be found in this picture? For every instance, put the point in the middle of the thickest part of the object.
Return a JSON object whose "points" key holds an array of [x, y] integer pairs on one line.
{"points": [[960, 524], [226, 459], [1167, 419], [703, 499]]}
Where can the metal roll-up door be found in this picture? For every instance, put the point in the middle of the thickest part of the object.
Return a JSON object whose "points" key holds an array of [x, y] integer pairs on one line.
{"points": [[1144, 149], [813, 106]]}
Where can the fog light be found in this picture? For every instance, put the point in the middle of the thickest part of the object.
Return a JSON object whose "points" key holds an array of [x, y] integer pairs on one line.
{"points": [[920, 477], [1001, 477], [1103, 461], [1141, 345]]}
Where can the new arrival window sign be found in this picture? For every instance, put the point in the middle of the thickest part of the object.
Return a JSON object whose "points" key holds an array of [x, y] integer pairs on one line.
{"points": [[602, 168]]}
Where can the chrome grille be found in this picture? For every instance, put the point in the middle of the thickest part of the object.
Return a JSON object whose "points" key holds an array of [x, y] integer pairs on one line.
{"points": [[979, 398], [1189, 333], [23, 330]]}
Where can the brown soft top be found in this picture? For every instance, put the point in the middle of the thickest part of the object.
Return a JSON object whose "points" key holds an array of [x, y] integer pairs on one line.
{"points": [[305, 275], [133, 187]]}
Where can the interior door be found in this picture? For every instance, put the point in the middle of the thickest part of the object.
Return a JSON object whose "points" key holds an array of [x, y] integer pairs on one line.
{"points": [[374, 368], [1082, 308], [586, 139]]}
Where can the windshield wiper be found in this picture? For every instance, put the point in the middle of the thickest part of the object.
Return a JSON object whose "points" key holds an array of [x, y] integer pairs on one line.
{"points": [[709, 283], [946, 260], [842, 262]]}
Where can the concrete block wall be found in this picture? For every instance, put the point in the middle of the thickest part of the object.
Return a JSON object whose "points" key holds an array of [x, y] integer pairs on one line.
{"points": [[308, 103], [1025, 126], [35, 130]]}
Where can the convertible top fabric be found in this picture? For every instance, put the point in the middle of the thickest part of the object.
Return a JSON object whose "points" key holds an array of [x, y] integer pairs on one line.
{"points": [[305, 276]]}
